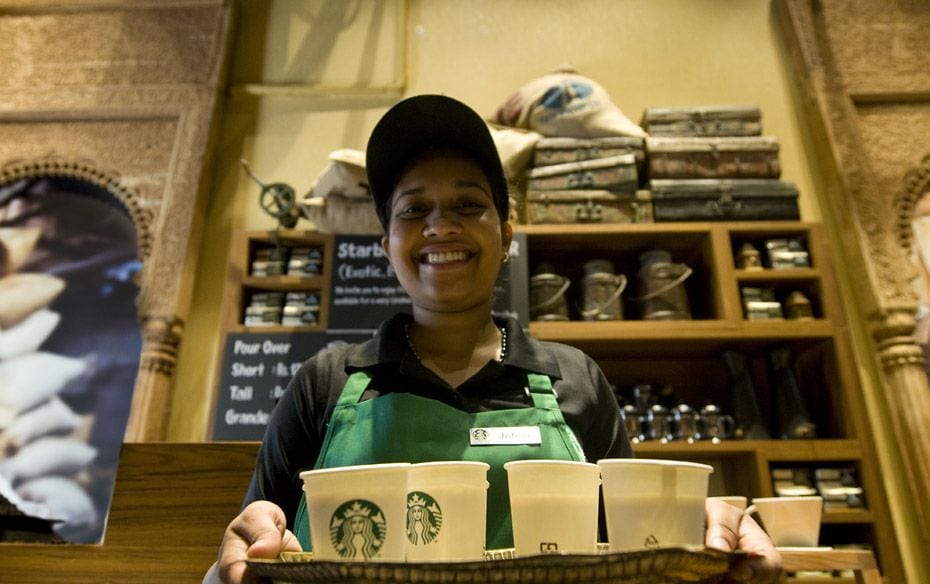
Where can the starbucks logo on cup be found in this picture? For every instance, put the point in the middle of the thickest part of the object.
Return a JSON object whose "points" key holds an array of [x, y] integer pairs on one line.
{"points": [[424, 518], [357, 530]]}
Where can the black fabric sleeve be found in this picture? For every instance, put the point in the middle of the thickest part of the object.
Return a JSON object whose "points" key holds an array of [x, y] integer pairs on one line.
{"points": [[590, 407], [295, 433]]}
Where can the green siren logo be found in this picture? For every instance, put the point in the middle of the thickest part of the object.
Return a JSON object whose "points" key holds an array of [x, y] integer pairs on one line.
{"points": [[357, 530], [424, 518]]}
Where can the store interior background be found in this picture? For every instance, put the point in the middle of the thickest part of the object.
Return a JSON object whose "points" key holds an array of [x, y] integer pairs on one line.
{"points": [[306, 77], [310, 77]]}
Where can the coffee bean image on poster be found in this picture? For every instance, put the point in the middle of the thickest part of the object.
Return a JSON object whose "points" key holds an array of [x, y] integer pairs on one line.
{"points": [[70, 344]]}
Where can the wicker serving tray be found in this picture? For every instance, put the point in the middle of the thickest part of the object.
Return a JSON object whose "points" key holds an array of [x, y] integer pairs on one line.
{"points": [[658, 566]]}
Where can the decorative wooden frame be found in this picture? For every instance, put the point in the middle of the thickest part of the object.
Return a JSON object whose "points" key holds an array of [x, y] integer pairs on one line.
{"points": [[865, 73], [123, 94]]}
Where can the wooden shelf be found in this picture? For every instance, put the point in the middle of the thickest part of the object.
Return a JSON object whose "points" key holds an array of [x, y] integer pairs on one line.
{"points": [[284, 283], [774, 450], [767, 275], [686, 354], [623, 331], [277, 328]]}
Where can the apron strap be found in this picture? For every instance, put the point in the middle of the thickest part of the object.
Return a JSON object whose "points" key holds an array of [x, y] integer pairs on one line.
{"points": [[354, 388], [543, 396], [541, 392]]}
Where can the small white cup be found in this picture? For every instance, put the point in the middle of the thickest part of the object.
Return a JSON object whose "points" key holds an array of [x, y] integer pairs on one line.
{"points": [[357, 513], [737, 501], [554, 506], [790, 521], [652, 503], [446, 511]]}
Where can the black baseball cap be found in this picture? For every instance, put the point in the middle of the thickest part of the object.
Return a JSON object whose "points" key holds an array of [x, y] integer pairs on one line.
{"points": [[428, 122]]}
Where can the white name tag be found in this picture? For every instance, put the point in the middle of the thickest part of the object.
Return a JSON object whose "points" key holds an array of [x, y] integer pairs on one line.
{"points": [[528, 435]]}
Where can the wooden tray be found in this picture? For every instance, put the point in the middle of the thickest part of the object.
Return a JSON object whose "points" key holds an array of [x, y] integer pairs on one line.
{"points": [[659, 566]]}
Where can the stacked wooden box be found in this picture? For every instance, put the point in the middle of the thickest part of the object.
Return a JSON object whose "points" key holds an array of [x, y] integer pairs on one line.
{"points": [[713, 163], [586, 180]]}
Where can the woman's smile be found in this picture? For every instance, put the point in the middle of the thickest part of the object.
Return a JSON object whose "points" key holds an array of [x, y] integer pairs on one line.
{"points": [[444, 257]]}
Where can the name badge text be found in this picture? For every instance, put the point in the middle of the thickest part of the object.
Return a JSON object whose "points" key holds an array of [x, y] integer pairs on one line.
{"points": [[528, 435]]}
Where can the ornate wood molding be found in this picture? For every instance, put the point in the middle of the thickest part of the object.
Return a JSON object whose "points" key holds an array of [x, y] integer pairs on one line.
{"points": [[871, 126], [916, 185], [56, 166]]}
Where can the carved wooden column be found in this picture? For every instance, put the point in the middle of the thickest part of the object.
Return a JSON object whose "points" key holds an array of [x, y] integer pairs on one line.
{"points": [[151, 398], [866, 81], [908, 392]]}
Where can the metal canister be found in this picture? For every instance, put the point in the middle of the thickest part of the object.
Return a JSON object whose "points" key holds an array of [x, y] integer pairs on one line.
{"points": [[687, 423], [632, 421], [601, 289], [657, 424], [662, 290], [715, 424], [547, 294]]}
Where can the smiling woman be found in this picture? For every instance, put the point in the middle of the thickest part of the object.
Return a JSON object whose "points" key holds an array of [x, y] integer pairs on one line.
{"points": [[434, 379]]}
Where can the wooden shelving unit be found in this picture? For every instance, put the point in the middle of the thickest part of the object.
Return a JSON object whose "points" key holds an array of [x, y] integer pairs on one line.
{"points": [[241, 284], [685, 354]]}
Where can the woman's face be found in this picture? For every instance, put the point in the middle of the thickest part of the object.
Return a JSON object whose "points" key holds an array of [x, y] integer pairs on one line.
{"points": [[445, 239]]}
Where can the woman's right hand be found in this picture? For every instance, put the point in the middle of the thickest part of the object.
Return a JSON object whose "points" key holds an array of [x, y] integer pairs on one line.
{"points": [[260, 531]]}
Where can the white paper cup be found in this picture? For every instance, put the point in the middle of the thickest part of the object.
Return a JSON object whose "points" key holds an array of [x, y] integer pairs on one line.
{"points": [[654, 503], [553, 505], [737, 501], [790, 521], [446, 511], [357, 513]]}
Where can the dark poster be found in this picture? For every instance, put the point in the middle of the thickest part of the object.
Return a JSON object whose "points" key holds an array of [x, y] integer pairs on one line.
{"points": [[70, 344]]}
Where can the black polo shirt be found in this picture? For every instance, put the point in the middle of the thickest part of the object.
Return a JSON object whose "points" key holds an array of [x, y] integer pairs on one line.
{"points": [[298, 423]]}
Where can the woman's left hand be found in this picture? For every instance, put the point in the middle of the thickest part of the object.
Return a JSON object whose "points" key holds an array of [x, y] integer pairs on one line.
{"points": [[729, 529]]}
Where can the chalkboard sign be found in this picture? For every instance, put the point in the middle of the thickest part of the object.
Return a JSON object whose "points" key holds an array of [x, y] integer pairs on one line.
{"points": [[364, 290], [511, 293], [256, 369]]}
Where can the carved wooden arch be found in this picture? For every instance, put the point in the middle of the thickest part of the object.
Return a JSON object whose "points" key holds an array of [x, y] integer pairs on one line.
{"points": [[916, 186], [60, 167]]}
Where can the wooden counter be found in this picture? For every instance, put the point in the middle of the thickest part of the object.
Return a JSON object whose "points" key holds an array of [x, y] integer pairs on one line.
{"points": [[172, 502], [170, 505]]}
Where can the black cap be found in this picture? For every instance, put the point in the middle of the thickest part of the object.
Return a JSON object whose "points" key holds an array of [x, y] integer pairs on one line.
{"points": [[427, 122]]}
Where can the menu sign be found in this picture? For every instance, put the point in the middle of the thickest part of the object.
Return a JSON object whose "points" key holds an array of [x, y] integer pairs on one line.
{"points": [[364, 290], [256, 369]]}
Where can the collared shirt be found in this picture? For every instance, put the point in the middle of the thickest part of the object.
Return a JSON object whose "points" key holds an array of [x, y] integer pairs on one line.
{"points": [[295, 433]]}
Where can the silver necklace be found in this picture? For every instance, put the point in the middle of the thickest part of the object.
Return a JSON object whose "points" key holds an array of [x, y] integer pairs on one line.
{"points": [[413, 349]]}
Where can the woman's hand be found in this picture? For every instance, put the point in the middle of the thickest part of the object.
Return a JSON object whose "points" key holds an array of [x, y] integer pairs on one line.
{"points": [[728, 528], [260, 531]]}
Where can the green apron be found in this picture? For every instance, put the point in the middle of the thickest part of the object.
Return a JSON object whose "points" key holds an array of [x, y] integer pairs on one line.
{"points": [[401, 427]]}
